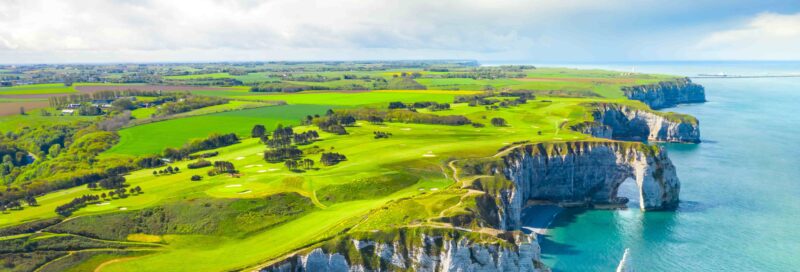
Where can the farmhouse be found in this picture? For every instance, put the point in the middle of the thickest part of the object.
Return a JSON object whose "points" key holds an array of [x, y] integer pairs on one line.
{"points": [[103, 103]]}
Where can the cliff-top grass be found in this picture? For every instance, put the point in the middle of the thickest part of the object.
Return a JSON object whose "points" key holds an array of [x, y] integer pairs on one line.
{"points": [[401, 181]]}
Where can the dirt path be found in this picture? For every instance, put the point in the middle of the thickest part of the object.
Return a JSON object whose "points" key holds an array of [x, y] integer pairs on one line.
{"points": [[102, 265]]}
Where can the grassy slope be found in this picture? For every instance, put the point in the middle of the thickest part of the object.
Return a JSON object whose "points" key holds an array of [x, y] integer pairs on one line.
{"points": [[414, 149]]}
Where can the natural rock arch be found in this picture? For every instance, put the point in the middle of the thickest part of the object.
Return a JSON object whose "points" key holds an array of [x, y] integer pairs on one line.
{"points": [[586, 172]]}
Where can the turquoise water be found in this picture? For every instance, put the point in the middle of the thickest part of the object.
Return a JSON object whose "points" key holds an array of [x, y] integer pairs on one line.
{"points": [[740, 193]]}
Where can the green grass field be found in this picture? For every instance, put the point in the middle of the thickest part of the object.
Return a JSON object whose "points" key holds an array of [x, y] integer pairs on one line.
{"points": [[37, 89], [154, 137], [227, 222], [246, 79], [369, 98]]}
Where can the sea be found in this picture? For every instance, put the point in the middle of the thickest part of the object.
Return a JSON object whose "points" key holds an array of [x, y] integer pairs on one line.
{"points": [[740, 188]]}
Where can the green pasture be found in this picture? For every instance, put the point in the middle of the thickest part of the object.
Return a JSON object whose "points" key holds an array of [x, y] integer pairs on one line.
{"points": [[154, 137], [55, 88], [246, 79], [365, 98]]}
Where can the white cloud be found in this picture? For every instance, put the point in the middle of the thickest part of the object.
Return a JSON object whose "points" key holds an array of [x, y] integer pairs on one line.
{"points": [[209, 30], [276, 29], [764, 36]]}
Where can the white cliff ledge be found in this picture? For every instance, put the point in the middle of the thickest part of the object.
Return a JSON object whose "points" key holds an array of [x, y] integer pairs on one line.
{"points": [[585, 173], [667, 94], [419, 249], [626, 122]]}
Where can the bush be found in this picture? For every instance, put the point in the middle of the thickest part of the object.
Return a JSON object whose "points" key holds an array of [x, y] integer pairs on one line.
{"points": [[199, 164], [196, 178]]}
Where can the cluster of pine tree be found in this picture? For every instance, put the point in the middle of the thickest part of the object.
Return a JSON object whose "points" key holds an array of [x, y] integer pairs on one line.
{"points": [[223, 167], [433, 106], [331, 158], [333, 122], [76, 203], [282, 153], [295, 165]]}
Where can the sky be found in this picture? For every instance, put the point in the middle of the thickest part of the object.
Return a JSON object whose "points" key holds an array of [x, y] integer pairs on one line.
{"points": [[92, 31]]}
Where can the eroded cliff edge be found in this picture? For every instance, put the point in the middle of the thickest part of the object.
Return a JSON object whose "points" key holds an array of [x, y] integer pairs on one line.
{"points": [[578, 173], [482, 231], [636, 123], [419, 249], [667, 93]]}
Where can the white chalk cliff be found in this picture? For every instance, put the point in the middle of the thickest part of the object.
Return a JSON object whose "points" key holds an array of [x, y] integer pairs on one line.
{"points": [[667, 94], [623, 122], [419, 249], [584, 172]]}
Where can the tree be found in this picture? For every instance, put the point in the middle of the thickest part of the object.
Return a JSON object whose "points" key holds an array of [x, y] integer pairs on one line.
{"points": [[308, 163], [123, 104], [103, 195], [258, 131], [498, 122], [31, 200], [54, 150], [331, 158], [155, 173], [91, 185], [291, 164], [196, 178]]}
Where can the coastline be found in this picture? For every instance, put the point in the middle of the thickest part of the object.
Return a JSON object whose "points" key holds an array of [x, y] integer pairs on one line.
{"points": [[537, 218]]}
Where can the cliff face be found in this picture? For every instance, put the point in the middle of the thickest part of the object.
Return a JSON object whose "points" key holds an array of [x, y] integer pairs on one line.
{"points": [[667, 94], [586, 173], [420, 249], [621, 122]]}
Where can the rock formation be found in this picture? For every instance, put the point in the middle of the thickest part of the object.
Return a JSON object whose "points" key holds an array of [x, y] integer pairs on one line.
{"points": [[419, 249], [623, 122], [584, 173], [667, 93]]}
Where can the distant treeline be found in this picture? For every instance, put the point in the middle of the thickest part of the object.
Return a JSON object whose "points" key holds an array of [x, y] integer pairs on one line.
{"points": [[213, 141], [348, 117], [189, 103]]}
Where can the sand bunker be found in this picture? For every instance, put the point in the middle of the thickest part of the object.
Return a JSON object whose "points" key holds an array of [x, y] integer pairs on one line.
{"points": [[406, 129], [239, 158], [233, 185]]}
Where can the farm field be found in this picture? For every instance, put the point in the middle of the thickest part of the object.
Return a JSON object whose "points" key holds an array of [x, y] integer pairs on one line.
{"points": [[356, 98], [154, 137]]}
